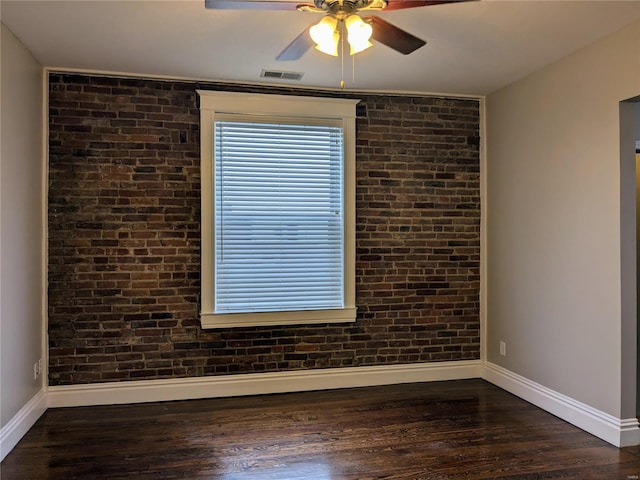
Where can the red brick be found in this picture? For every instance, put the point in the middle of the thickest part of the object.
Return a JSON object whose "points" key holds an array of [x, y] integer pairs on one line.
{"points": [[124, 246]]}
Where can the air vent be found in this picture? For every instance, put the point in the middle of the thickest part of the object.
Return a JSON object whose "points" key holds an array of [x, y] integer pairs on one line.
{"points": [[281, 75]]}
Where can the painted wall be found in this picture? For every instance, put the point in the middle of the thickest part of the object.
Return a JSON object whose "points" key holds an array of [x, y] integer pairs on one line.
{"points": [[555, 201], [21, 233]]}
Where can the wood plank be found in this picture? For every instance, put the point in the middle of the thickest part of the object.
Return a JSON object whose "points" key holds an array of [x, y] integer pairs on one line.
{"points": [[439, 430]]}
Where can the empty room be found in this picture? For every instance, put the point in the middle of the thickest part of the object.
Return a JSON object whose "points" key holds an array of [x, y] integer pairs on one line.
{"points": [[342, 239]]}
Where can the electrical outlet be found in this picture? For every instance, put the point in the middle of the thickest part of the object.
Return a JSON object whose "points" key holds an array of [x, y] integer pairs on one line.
{"points": [[36, 369], [503, 349]]}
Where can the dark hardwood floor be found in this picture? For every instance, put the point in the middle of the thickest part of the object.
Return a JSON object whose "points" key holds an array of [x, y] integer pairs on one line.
{"points": [[443, 430]]}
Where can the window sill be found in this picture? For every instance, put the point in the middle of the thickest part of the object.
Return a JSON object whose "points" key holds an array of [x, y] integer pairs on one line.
{"points": [[304, 317]]}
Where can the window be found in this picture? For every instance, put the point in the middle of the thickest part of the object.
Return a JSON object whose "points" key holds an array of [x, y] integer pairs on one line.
{"points": [[278, 214]]}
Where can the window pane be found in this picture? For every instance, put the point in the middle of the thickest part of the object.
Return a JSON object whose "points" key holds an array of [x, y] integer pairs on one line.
{"points": [[278, 217]]}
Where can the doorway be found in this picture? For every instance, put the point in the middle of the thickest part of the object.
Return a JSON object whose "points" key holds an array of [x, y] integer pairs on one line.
{"points": [[630, 153], [636, 117], [630, 257]]}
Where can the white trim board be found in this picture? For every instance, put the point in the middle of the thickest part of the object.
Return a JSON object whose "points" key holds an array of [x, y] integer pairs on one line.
{"points": [[21, 422], [618, 432], [257, 383]]}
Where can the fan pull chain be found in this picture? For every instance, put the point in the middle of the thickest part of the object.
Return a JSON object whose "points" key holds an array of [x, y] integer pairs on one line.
{"points": [[353, 69], [342, 54]]}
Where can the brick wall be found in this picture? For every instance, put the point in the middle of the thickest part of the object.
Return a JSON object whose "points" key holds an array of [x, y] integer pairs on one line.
{"points": [[124, 238]]}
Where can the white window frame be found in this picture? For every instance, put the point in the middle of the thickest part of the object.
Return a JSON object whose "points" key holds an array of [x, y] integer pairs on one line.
{"points": [[214, 103]]}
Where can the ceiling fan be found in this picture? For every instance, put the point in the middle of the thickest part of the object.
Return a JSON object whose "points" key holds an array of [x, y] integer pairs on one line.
{"points": [[340, 15]]}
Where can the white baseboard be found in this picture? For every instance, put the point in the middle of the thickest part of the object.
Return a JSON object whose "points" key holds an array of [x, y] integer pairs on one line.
{"points": [[257, 383], [21, 422], [618, 432]]}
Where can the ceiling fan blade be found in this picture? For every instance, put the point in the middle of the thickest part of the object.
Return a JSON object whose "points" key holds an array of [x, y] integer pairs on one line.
{"points": [[297, 48], [400, 4], [392, 36], [253, 4]]}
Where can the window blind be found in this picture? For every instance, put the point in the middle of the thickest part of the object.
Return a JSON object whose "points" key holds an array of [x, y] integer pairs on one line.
{"points": [[278, 216]]}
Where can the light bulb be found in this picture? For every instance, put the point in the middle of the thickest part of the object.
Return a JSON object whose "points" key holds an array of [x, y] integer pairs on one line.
{"points": [[359, 34], [330, 47]]}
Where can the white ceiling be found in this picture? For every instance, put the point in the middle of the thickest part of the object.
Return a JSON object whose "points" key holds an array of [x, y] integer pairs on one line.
{"points": [[473, 48]]}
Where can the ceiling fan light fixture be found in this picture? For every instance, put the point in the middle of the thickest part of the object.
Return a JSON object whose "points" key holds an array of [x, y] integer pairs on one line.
{"points": [[357, 47], [325, 35], [358, 33], [330, 47]]}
